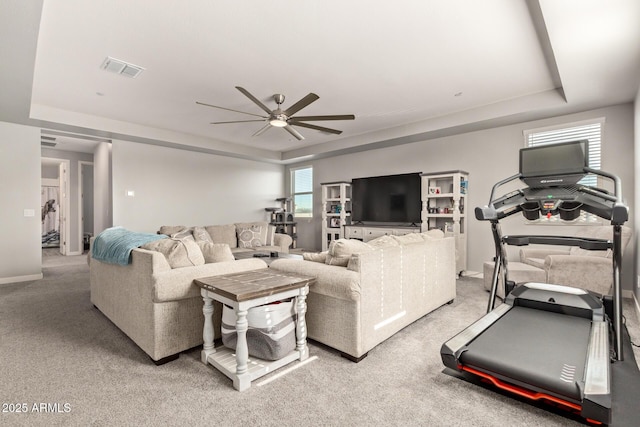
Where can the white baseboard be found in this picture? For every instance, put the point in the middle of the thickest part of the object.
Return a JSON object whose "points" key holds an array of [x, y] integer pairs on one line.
{"points": [[74, 253], [16, 279]]}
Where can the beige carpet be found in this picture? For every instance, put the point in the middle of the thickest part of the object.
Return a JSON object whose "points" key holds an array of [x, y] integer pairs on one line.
{"points": [[56, 349]]}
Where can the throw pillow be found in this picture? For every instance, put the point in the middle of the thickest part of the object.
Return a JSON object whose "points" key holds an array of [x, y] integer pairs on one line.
{"points": [[223, 234], [249, 237], [260, 230], [178, 252], [201, 235], [315, 256], [340, 251], [215, 252]]}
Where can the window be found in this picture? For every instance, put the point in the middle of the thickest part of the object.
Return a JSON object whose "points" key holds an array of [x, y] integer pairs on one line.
{"points": [[302, 190], [591, 131]]}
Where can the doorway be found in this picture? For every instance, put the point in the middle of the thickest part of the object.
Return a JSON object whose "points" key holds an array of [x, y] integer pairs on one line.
{"points": [[55, 204]]}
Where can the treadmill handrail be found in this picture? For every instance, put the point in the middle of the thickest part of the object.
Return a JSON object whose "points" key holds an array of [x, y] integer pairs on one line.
{"points": [[582, 242], [499, 183]]}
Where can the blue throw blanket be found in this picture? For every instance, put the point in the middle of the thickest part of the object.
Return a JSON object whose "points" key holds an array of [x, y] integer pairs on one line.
{"points": [[114, 245]]}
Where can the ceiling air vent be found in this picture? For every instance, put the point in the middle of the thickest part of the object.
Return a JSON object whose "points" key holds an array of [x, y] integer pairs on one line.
{"points": [[120, 67], [48, 141]]}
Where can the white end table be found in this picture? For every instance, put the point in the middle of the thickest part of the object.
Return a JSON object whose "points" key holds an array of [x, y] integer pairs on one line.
{"points": [[242, 291]]}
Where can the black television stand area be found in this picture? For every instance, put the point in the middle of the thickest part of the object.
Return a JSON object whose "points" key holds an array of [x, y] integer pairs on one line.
{"points": [[366, 232]]}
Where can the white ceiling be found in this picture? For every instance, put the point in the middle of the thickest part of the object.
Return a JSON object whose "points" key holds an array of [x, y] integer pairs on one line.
{"points": [[406, 69]]}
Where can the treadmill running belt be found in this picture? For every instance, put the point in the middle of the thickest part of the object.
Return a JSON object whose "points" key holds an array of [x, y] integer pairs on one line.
{"points": [[539, 350]]}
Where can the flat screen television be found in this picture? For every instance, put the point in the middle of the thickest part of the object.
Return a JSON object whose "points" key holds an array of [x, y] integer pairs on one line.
{"points": [[554, 164], [391, 198]]}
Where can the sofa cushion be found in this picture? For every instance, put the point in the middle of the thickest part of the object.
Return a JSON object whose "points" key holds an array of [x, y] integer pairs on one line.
{"points": [[434, 233], [215, 252], [409, 238], [383, 242], [200, 235], [331, 280], [315, 256], [340, 251], [178, 252], [223, 234], [241, 250], [534, 262]]}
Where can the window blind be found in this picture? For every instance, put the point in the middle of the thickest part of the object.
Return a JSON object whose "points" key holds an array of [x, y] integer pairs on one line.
{"points": [[302, 188]]}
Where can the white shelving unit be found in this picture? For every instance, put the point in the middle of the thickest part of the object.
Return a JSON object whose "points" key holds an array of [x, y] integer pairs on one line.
{"points": [[336, 211], [444, 206]]}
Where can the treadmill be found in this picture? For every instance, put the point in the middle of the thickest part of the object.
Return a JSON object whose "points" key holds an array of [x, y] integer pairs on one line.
{"points": [[549, 342]]}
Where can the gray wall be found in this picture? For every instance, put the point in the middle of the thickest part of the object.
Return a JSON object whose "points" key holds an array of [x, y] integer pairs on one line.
{"points": [[177, 187], [20, 252], [74, 246], [489, 156]]}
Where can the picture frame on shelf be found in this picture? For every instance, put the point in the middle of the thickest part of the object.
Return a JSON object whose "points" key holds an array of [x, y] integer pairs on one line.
{"points": [[334, 222]]}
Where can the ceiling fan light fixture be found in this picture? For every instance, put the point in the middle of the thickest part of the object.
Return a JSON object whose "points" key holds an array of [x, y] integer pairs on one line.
{"points": [[279, 121]]}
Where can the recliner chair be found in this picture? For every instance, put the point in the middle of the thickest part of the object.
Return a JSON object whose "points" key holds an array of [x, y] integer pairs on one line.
{"points": [[586, 269]]}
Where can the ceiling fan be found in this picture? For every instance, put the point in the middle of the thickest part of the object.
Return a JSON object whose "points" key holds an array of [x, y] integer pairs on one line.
{"points": [[284, 118]]}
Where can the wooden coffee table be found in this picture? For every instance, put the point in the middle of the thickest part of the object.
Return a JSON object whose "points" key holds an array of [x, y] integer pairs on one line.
{"points": [[243, 291]]}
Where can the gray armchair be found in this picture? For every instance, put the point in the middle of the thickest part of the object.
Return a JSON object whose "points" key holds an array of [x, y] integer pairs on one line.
{"points": [[591, 270]]}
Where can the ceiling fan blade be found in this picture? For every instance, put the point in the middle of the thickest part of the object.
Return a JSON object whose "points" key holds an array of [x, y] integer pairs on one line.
{"points": [[320, 128], [301, 104], [294, 132], [254, 99], [229, 109], [236, 121], [316, 118], [262, 130]]}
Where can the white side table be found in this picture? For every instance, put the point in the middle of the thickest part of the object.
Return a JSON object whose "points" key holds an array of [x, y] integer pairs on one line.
{"points": [[242, 291]]}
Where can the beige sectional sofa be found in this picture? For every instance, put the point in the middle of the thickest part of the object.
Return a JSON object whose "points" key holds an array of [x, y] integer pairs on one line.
{"points": [[153, 299], [366, 292]]}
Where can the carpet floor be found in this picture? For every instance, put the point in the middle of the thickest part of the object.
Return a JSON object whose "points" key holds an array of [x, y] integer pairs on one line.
{"points": [[62, 362]]}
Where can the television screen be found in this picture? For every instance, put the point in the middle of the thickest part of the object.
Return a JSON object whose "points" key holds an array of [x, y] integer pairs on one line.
{"points": [[391, 198], [554, 164]]}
